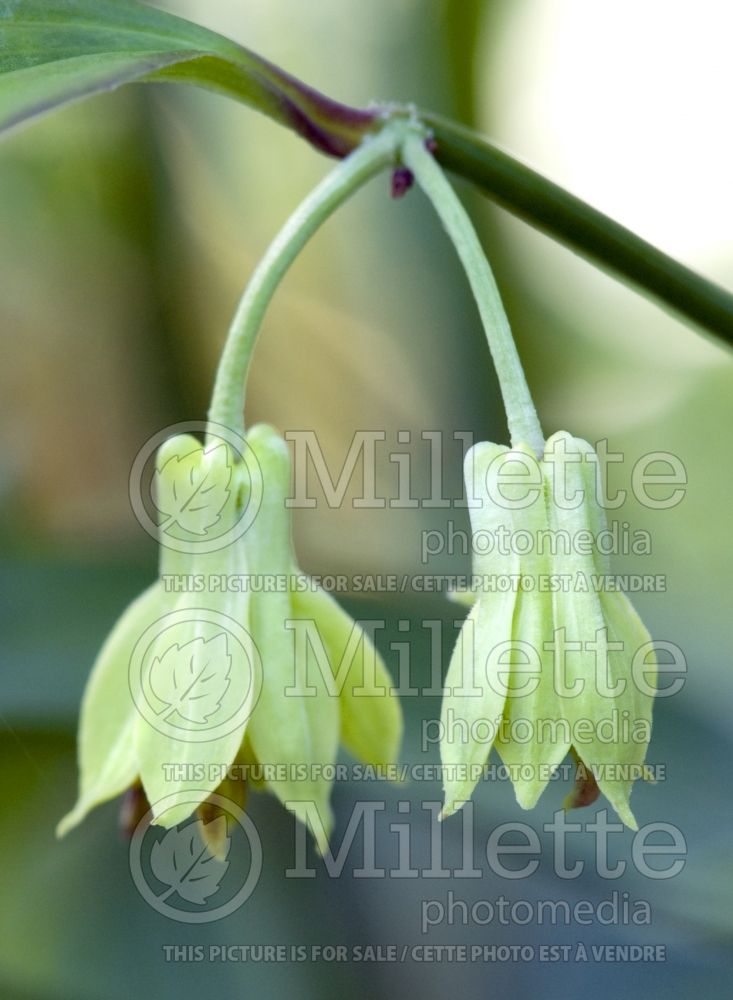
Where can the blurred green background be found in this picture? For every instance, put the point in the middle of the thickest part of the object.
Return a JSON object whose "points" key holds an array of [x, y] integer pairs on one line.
{"points": [[129, 226]]}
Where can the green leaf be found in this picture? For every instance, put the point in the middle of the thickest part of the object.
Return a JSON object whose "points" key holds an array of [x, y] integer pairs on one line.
{"points": [[52, 53]]}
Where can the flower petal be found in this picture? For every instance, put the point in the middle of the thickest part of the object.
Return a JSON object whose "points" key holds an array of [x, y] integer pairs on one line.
{"points": [[627, 754], [475, 685], [592, 622], [201, 672], [295, 731], [371, 718], [535, 738], [107, 759]]}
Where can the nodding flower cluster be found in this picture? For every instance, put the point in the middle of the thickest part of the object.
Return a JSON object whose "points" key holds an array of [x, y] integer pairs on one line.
{"points": [[190, 683], [529, 654], [221, 680]]}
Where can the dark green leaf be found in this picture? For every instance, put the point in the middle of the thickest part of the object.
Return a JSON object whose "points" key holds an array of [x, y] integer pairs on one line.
{"points": [[52, 53]]}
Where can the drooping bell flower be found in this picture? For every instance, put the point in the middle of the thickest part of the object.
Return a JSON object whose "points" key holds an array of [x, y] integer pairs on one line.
{"points": [[201, 671], [549, 660]]}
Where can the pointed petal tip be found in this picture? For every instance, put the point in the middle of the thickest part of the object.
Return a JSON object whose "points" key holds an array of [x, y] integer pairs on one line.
{"points": [[322, 836], [169, 816], [619, 798], [214, 833], [626, 816], [528, 797], [73, 818], [620, 807], [67, 823], [450, 809], [322, 846], [569, 803], [463, 596], [320, 830]]}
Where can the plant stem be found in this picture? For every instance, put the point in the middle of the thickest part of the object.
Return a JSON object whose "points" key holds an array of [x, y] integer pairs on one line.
{"points": [[115, 44], [564, 217], [524, 426], [375, 153]]}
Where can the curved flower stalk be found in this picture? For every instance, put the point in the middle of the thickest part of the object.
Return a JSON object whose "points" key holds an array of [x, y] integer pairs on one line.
{"points": [[190, 683], [193, 680], [541, 669], [548, 663]]}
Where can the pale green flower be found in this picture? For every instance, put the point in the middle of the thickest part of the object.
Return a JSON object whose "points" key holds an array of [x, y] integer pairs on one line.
{"points": [[287, 729], [195, 678], [509, 669]]}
